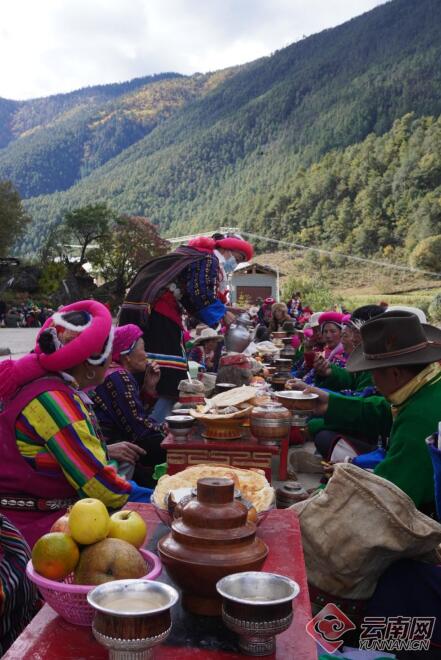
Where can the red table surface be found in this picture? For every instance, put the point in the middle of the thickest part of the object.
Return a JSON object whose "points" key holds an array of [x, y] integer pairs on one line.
{"points": [[49, 637]]}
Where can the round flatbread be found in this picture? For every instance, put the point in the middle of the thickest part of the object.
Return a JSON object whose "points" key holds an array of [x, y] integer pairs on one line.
{"points": [[252, 483], [233, 397]]}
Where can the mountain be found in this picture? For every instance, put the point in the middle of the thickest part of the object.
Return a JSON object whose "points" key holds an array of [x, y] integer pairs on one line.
{"points": [[50, 144], [236, 154]]}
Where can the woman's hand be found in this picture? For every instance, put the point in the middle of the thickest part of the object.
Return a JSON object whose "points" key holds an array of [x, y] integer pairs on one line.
{"points": [[151, 378], [321, 366], [295, 384], [126, 452], [229, 318], [320, 405]]}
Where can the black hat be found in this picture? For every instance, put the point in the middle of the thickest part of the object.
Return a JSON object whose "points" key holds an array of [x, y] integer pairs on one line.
{"points": [[395, 339]]}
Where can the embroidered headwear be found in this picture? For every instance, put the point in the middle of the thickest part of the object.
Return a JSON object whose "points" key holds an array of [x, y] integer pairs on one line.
{"points": [[336, 318], [61, 345], [124, 340], [233, 243]]}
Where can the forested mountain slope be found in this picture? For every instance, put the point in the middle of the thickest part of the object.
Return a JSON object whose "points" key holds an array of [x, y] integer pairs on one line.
{"points": [[59, 140], [239, 152]]}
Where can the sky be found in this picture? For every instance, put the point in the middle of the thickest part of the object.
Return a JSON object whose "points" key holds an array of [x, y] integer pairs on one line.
{"points": [[53, 46]]}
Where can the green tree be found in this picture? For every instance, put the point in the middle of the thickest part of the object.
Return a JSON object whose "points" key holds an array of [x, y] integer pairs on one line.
{"points": [[51, 277], [133, 241], [13, 218], [87, 225], [427, 254]]}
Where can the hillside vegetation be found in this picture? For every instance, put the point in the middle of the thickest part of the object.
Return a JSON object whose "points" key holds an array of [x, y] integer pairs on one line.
{"points": [[249, 151], [55, 142]]}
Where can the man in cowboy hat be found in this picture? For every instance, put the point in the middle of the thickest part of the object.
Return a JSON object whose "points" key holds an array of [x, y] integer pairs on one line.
{"points": [[403, 356]]}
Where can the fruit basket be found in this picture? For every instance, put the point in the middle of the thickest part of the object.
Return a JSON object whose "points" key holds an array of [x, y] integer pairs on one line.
{"points": [[70, 600]]}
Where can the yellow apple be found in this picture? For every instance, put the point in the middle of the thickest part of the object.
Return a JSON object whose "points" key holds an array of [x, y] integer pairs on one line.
{"points": [[128, 526], [89, 521]]}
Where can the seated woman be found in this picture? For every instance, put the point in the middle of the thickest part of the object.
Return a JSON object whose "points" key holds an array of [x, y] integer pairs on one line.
{"points": [[206, 349], [18, 596], [331, 324], [279, 315], [119, 402], [336, 378], [52, 454]]}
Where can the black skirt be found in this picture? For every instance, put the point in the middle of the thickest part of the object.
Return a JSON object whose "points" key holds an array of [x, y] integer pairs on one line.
{"points": [[163, 342]]}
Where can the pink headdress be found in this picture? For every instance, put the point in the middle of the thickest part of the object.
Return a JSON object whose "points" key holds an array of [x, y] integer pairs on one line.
{"points": [[234, 243], [124, 339], [71, 345], [331, 317]]}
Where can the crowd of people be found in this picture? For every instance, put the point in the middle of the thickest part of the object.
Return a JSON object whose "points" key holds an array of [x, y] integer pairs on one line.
{"points": [[84, 413], [23, 315]]}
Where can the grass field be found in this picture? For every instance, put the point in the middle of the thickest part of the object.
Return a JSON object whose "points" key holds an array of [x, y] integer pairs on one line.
{"points": [[350, 283]]}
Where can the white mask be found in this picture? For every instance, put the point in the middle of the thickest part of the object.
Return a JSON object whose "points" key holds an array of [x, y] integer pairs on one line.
{"points": [[229, 265]]}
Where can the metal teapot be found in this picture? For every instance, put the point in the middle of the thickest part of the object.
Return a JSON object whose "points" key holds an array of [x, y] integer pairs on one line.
{"points": [[238, 337]]}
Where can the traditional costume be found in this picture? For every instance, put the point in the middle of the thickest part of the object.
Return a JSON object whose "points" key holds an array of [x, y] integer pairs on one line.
{"points": [[411, 414], [52, 453], [188, 279]]}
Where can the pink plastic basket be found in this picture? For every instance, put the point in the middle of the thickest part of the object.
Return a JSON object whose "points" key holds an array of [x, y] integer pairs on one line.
{"points": [[70, 600]]}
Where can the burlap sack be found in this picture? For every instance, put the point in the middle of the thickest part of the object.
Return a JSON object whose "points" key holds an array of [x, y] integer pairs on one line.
{"points": [[355, 528]]}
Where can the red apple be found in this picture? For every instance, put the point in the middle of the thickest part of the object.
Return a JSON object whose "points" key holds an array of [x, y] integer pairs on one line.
{"points": [[62, 525], [128, 526]]}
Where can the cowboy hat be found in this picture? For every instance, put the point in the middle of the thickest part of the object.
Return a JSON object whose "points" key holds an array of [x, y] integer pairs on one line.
{"points": [[412, 310], [206, 335], [395, 339]]}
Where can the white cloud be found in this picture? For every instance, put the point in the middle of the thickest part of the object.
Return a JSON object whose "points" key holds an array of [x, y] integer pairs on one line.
{"points": [[52, 46]]}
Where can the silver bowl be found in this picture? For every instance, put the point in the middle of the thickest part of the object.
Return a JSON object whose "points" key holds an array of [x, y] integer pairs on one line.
{"points": [[180, 426], [132, 616], [296, 400], [181, 411], [257, 606]]}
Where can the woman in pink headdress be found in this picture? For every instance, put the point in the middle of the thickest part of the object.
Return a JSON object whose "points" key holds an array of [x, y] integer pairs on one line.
{"points": [[52, 453], [122, 406], [331, 324]]}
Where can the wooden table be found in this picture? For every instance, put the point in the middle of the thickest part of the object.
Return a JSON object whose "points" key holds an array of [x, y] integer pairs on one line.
{"points": [[244, 453], [49, 637]]}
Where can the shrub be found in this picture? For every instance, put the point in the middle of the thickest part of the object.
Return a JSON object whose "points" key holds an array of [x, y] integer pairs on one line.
{"points": [[427, 254]]}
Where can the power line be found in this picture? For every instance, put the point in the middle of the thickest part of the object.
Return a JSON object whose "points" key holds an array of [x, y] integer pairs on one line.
{"points": [[331, 253]]}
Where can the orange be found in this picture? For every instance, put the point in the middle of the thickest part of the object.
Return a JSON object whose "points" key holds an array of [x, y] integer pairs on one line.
{"points": [[55, 555]]}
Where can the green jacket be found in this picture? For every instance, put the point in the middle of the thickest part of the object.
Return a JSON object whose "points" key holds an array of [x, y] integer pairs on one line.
{"points": [[340, 379], [408, 463]]}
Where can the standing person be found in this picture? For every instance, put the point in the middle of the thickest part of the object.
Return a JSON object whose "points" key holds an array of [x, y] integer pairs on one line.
{"points": [[3, 310], [295, 304], [52, 453], [187, 279]]}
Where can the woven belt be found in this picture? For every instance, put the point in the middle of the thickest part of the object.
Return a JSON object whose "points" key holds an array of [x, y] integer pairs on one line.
{"points": [[25, 503]]}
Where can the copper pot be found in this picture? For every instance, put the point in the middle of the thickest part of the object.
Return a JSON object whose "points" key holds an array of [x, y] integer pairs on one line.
{"points": [[278, 380], [270, 423], [210, 540], [283, 364], [289, 493]]}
